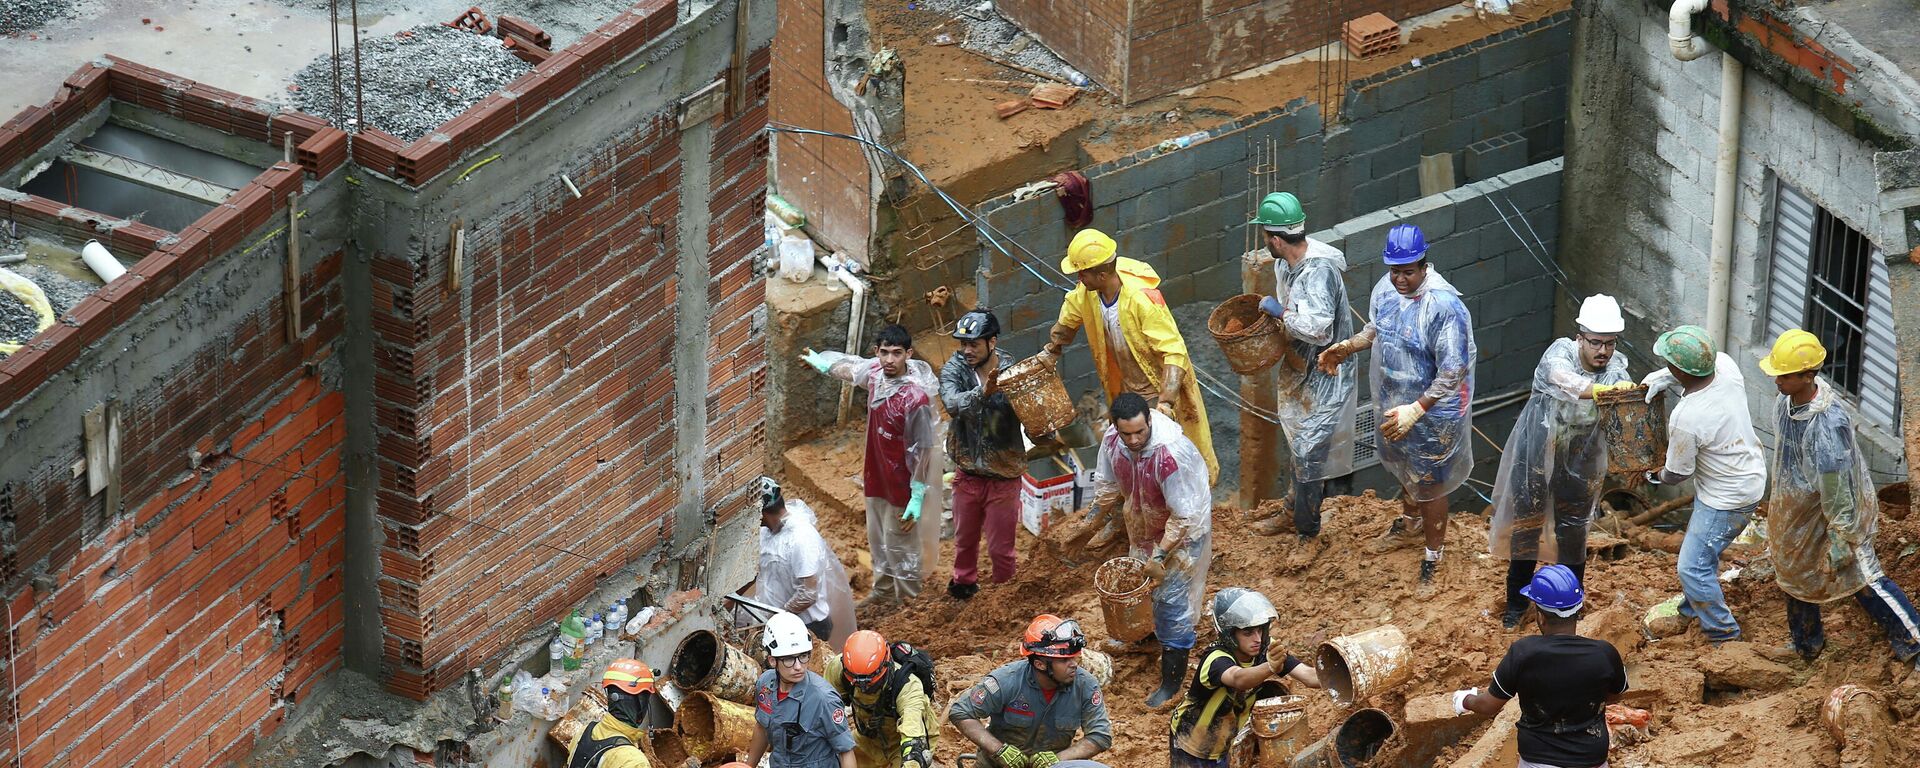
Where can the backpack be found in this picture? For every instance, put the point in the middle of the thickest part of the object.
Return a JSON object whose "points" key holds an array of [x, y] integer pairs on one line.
{"points": [[907, 661]]}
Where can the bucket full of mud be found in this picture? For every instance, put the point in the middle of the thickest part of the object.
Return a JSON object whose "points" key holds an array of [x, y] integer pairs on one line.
{"points": [[1636, 430], [1126, 598], [711, 728], [1896, 501], [665, 748], [582, 715], [1037, 395], [1280, 730], [703, 662], [1356, 667], [1251, 339], [1352, 744]]}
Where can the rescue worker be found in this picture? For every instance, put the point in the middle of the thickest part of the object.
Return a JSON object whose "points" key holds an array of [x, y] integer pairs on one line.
{"points": [[894, 722], [797, 719], [902, 460], [1564, 681], [799, 573], [1710, 440], [1033, 707], [1556, 457], [1822, 512], [988, 457], [614, 741], [1219, 702], [1316, 409], [1155, 478], [1422, 377], [1131, 334]]}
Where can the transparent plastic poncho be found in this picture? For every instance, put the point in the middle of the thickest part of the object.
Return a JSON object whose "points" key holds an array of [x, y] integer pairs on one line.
{"points": [[1317, 410], [1554, 460], [925, 455], [781, 555], [1163, 492], [1822, 512], [1423, 345]]}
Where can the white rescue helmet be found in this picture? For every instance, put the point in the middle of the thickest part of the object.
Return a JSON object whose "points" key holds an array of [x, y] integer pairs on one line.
{"points": [[1599, 313], [785, 635]]}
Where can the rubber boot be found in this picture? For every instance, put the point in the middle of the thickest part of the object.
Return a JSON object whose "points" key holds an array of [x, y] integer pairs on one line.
{"points": [[1173, 667], [1307, 496], [1519, 573], [960, 591]]}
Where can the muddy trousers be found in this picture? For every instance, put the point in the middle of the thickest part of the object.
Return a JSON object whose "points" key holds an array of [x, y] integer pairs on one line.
{"points": [[1882, 599], [1308, 495], [1570, 538], [895, 551], [990, 505]]}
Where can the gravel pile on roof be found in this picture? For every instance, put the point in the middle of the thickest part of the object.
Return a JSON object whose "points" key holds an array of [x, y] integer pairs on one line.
{"points": [[22, 15], [992, 35], [411, 82], [62, 292], [566, 20]]}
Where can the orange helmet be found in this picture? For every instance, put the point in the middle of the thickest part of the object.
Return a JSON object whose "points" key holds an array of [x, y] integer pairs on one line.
{"points": [[1052, 636], [629, 675], [865, 659]]}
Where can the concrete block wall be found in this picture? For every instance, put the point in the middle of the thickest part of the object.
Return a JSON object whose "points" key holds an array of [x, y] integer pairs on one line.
{"points": [[1639, 222]]}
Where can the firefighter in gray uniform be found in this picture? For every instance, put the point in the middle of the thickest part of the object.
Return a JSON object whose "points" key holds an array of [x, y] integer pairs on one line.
{"points": [[798, 721], [1033, 707]]}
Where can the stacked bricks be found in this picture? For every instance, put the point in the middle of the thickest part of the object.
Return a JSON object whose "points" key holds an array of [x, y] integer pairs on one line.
{"points": [[826, 177], [223, 111], [736, 351], [515, 26], [183, 629], [1371, 35]]}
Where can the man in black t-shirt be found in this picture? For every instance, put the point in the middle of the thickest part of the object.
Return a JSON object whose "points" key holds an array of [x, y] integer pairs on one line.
{"points": [[1564, 681]]}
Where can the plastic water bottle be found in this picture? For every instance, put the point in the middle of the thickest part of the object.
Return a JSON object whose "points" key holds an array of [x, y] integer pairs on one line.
{"points": [[594, 628], [557, 652], [1191, 139], [574, 632], [1074, 76]]}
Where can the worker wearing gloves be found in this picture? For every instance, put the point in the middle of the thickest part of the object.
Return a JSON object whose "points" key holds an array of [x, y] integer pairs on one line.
{"points": [[1710, 440], [1219, 702], [1822, 511], [799, 573], [1034, 706], [894, 723], [1550, 472], [984, 441], [1564, 681], [1422, 377], [902, 460], [1154, 476], [614, 741], [797, 718], [1316, 409]]}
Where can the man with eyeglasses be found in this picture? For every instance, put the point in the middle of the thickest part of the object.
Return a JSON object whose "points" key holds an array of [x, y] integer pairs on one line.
{"points": [[1555, 456], [798, 720], [1033, 707]]}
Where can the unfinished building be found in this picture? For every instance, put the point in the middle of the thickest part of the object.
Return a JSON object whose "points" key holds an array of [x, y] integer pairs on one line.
{"points": [[364, 415]]}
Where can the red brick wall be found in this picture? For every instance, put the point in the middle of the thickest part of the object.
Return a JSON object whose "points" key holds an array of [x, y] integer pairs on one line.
{"points": [[1090, 34], [182, 631], [825, 177], [736, 295]]}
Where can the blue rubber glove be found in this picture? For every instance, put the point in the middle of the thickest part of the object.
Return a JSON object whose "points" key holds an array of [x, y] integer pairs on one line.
{"points": [[1271, 306], [817, 360], [914, 502]]}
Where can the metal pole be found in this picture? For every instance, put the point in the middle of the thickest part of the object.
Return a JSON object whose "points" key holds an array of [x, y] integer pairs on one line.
{"points": [[359, 107]]}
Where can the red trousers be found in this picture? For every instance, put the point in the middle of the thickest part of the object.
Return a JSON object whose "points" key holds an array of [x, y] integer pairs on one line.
{"points": [[984, 502]]}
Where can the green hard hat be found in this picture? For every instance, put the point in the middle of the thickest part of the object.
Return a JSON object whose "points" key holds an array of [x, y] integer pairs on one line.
{"points": [[1689, 348], [1281, 211]]}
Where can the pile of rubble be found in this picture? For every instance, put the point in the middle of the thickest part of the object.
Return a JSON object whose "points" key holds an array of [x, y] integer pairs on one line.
{"points": [[411, 82], [21, 15]]}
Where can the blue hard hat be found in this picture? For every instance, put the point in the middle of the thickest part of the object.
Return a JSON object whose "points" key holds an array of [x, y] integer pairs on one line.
{"points": [[1556, 590], [1405, 245]]}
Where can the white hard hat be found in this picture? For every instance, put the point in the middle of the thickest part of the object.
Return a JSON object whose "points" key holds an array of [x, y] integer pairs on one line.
{"points": [[785, 635], [1600, 314]]}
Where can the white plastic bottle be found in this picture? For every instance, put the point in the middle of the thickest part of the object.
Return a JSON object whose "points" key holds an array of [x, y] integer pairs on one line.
{"points": [[556, 652], [594, 629]]}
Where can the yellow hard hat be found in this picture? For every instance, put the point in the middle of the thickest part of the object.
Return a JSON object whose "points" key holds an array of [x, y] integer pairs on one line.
{"points": [[1090, 248], [1794, 352]]}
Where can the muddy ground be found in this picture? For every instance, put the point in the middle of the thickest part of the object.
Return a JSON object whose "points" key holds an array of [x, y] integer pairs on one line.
{"points": [[1720, 707]]}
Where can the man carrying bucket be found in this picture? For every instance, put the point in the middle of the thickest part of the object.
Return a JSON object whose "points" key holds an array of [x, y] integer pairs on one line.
{"points": [[984, 441], [1155, 477], [1219, 703], [1422, 375], [1556, 456], [1564, 681], [1315, 408], [1822, 512], [902, 460], [1710, 440]]}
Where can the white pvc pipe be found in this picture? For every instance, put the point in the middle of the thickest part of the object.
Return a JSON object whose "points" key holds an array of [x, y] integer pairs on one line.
{"points": [[842, 268], [101, 262], [1726, 186], [1686, 47]]}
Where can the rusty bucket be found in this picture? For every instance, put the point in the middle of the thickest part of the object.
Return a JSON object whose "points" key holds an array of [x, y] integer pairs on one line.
{"points": [[666, 749], [1251, 339], [582, 715], [1356, 667], [1280, 730], [1896, 501], [703, 662], [1355, 742], [1037, 395], [1636, 430], [1126, 598], [711, 728]]}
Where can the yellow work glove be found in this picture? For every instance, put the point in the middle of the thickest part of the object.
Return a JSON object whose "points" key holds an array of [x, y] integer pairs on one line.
{"points": [[1399, 421], [1599, 388], [1011, 756], [1042, 760]]}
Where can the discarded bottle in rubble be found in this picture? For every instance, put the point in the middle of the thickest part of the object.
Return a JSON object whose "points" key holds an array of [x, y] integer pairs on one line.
{"points": [[574, 631], [596, 629], [503, 706], [556, 652], [619, 617]]}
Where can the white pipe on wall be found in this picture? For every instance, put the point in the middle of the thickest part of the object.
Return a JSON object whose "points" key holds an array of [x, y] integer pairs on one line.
{"points": [[1686, 47], [1726, 188], [842, 268]]}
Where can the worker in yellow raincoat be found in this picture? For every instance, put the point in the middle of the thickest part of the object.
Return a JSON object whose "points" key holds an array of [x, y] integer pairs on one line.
{"points": [[1135, 345]]}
